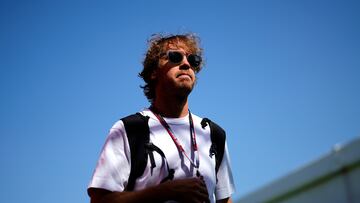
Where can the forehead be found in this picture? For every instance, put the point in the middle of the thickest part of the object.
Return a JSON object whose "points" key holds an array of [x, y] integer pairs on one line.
{"points": [[177, 44]]}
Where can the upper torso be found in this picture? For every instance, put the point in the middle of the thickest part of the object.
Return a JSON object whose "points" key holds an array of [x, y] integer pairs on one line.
{"points": [[115, 157]]}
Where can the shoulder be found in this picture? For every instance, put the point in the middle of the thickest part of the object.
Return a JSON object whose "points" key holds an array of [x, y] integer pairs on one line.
{"points": [[205, 121], [117, 132], [196, 117], [118, 125]]}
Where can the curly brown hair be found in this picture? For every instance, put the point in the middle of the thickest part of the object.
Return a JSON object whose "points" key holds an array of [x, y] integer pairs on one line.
{"points": [[157, 45]]}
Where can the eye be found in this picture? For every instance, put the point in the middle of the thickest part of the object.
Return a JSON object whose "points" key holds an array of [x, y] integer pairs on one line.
{"points": [[194, 60], [175, 56]]}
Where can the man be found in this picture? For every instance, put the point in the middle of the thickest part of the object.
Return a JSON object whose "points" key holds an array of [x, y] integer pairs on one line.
{"points": [[185, 172]]}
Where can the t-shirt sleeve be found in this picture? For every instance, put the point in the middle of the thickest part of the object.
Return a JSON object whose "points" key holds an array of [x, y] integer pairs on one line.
{"points": [[225, 186], [113, 167]]}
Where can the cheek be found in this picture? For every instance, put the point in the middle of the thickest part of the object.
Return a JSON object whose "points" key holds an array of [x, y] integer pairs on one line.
{"points": [[193, 74], [170, 74]]}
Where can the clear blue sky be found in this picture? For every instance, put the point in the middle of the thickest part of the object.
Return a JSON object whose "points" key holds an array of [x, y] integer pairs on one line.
{"points": [[282, 77]]}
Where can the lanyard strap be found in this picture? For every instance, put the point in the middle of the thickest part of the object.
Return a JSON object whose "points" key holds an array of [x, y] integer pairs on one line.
{"points": [[176, 141]]}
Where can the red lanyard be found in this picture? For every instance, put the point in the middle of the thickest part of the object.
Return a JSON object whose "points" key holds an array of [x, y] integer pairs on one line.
{"points": [[176, 141]]}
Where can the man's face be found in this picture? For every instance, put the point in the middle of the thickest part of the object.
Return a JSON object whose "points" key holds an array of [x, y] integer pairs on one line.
{"points": [[174, 78]]}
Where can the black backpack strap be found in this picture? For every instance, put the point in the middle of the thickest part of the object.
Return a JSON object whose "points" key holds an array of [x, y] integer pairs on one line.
{"points": [[150, 148], [218, 137], [138, 134]]}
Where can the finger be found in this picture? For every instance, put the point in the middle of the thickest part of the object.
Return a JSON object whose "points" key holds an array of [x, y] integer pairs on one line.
{"points": [[202, 197], [203, 185], [199, 192], [202, 190]]}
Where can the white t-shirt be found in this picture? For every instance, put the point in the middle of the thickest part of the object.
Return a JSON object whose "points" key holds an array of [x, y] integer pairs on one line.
{"points": [[113, 167]]}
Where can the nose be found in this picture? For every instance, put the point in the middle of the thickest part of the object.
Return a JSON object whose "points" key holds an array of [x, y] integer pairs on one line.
{"points": [[185, 64]]}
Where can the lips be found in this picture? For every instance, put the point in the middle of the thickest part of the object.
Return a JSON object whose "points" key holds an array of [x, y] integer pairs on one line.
{"points": [[184, 75]]}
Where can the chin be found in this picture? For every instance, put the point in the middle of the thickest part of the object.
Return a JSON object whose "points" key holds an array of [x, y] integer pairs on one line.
{"points": [[185, 89]]}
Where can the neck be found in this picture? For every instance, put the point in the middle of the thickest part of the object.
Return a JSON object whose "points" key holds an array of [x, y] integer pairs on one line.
{"points": [[171, 108]]}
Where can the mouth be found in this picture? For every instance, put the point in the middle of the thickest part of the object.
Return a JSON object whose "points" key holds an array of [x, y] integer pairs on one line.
{"points": [[184, 75]]}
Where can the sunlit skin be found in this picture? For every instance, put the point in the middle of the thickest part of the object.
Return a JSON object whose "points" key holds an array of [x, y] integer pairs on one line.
{"points": [[174, 82]]}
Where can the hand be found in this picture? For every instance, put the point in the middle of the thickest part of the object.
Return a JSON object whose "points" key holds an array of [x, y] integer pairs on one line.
{"points": [[191, 190]]}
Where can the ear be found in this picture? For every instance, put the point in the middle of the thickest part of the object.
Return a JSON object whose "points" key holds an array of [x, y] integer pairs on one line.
{"points": [[153, 75]]}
